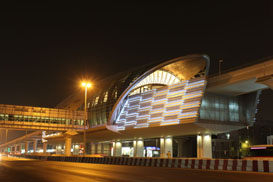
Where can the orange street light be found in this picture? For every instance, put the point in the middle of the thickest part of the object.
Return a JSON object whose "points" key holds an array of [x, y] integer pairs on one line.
{"points": [[88, 84]]}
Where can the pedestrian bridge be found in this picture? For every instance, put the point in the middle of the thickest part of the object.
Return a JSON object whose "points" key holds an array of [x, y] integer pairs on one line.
{"points": [[38, 118]]}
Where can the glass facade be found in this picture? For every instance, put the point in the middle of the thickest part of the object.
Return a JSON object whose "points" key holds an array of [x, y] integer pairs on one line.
{"points": [[110, 89], [229, 108], [219, 108]]}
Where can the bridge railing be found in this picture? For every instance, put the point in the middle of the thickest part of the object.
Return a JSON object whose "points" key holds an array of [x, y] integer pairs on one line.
{"points": [[249, 63]]}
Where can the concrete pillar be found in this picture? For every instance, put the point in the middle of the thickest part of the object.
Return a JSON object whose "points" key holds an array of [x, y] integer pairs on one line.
{"points": [[34, 146], [19, 148], [204, 148], [68, 142], [26, 147], [15, 149], [166, 145], [22, 147], [117, 148], [138, 148], [44, 147]]}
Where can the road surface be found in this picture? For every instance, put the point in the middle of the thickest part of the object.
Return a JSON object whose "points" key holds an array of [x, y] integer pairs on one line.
{"points": [[18, 170]]}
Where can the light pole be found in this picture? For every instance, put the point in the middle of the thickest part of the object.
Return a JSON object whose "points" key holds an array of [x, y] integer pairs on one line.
{"points": [[86, 86]]}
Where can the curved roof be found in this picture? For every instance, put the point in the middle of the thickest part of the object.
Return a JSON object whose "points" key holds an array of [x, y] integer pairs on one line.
{"points": [[107, 100]]}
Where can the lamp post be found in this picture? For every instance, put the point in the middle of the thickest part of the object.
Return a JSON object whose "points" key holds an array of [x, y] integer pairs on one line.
{"points": [[86, 86]]}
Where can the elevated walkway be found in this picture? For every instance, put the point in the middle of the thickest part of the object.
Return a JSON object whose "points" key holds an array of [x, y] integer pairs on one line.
{"points": [[38, 118]]}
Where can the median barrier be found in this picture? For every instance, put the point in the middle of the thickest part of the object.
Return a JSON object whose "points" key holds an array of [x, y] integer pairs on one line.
{"points": [[202, 164]]}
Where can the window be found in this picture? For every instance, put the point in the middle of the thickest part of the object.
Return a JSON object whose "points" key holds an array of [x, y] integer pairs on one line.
{"points": [[96, 101], [105, 97]]}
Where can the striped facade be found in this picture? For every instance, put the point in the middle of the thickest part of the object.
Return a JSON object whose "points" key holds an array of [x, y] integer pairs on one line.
{"points": [[169, 105]]}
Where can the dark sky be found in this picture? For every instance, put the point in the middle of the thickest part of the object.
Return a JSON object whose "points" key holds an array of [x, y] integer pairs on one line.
{"points": [[45, 49]]}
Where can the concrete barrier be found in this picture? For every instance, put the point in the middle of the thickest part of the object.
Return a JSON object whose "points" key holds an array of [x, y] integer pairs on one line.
{"points": [[205, 164]]}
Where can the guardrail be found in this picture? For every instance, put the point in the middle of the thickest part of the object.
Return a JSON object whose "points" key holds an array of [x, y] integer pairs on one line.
{"points": [[206, 164]]}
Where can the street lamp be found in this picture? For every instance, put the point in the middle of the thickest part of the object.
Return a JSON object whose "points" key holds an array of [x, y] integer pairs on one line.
{"points": [[86, 85]]}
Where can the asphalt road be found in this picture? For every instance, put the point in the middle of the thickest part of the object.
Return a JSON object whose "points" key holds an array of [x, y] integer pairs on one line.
{"points": [[18, 170]]}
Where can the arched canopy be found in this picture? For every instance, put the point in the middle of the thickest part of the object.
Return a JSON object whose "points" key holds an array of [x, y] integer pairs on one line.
{"points": [[107, 102]]}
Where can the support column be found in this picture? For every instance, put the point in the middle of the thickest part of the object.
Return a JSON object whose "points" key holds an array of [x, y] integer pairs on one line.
{"points": [[117, 148], [44, 147], [26, 147], [204, 148], [19, 148], [138, 148], [15, 148], [68, 142], [34, 146], [166, 146]]}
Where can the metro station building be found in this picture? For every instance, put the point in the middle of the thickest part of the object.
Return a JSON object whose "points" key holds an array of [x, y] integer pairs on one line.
{"points": [[157, 110]]}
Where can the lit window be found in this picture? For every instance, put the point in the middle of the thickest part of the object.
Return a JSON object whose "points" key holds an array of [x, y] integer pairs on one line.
{"points": [[116, 94], [96, 100], [105, 97]]}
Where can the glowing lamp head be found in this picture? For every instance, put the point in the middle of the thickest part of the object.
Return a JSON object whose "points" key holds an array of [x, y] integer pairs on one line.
{"points": [[86, 84]]}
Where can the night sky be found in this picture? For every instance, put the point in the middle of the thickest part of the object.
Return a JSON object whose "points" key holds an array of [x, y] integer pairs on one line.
{"points": [[46, 49]]}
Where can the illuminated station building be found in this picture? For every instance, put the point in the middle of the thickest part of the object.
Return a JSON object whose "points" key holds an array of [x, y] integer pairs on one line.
{"points": [[157, 109]]}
